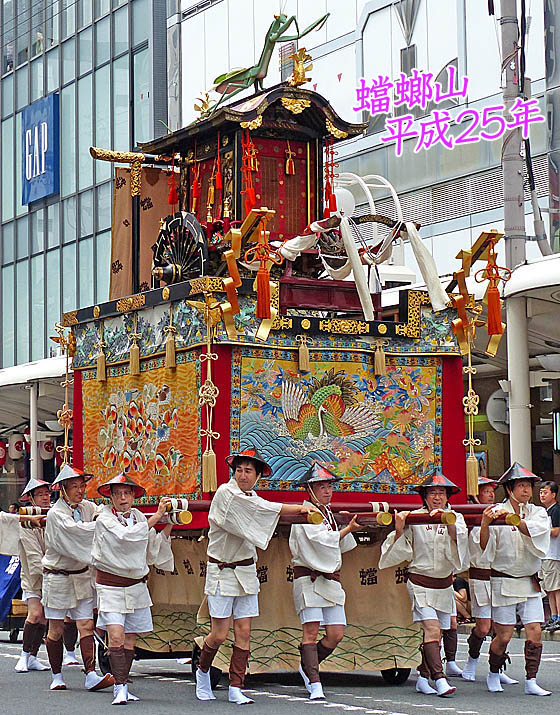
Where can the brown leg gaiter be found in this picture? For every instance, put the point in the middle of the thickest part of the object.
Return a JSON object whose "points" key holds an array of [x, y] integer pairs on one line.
{"points": [[533, 652], [117, 658], [475, 644], [450, 644], [432, 653], [310, 661], [129, 655], [322, 651], [238, 667], [87, 648], [32, 637], [207, 655], [70, 635], [496, 662], [55, 651], [423, 669]]}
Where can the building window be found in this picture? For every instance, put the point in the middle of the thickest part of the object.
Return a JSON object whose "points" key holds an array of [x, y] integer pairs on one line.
{"points": [[22, 311], [8, 310], [102, 41], [37, 307]]}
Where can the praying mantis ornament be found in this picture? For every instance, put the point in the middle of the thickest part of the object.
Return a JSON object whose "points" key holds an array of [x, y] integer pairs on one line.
{"points": [[235, 81]]}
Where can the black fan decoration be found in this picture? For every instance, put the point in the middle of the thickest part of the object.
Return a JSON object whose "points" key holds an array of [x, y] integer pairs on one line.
{"points": [[180, 251]]}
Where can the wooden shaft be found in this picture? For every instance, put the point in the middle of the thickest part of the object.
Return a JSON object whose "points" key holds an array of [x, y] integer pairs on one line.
{"points": [[506, 520], [444, 517]]}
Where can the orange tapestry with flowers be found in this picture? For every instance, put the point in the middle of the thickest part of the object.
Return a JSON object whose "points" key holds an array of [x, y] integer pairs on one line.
{"points": [[146, 426]]}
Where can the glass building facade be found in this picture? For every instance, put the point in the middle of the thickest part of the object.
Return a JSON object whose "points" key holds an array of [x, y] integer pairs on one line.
{"points": [[107, 61]]}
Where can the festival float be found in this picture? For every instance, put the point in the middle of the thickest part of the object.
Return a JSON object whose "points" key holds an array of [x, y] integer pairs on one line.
{"points": [[245, 311]]}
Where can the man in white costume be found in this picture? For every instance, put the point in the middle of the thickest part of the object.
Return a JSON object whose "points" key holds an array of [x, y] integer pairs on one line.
{"points": [[318, 594], [125, 544], [434, 552], [240, 521], [515, 554], [67, 583], [31, 551], [480, 588]]}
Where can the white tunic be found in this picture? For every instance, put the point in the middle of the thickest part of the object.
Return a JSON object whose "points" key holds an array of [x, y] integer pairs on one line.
{"points": [[31, 552], [68, 548], [479, 559], [430, 551], [510, 551], [318, 547], [29, 545], [239, 523], [127, 551], [9, 534]]}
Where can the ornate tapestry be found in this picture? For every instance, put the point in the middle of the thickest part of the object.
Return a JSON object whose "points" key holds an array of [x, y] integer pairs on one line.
{"points": [[378, 434], [146, 426]]}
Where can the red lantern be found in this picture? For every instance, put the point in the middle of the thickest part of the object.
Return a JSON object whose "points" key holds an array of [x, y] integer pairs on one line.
{"points": [[3, 453]]}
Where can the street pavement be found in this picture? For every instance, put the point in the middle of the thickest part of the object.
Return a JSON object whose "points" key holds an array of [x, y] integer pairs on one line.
{"points": [[166, 686]]}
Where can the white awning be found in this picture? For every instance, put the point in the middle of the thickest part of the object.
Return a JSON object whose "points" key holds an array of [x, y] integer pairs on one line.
{"points": [[33, 371]]}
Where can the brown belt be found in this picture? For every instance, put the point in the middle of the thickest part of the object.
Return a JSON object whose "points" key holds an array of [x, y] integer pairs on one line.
{"points": [[224, 565], [62, 572], [104, 578], [301, 571], [479, 574], [534, 577], [429, 581]]}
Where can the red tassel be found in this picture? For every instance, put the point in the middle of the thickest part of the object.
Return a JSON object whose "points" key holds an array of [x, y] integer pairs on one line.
{"points": [[209, 229], [226, 226], [494, 311], [173, 198], [263, 293], [332, 203]]}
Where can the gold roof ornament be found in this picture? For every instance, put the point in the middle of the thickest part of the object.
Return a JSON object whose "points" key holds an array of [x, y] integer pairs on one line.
{"points": [[300, 58]]}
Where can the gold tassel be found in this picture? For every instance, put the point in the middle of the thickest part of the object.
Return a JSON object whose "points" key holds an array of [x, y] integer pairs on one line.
{"points": [[472, 475], [209, 471], [134, 359], [170, 360], [380, 366], [303, 354], [134, 349], [101, 367]]}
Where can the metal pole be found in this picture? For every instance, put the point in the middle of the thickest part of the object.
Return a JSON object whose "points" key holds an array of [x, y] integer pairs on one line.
{"points": [[514, 230], [35, 463], [512, 161], [518, 374]]}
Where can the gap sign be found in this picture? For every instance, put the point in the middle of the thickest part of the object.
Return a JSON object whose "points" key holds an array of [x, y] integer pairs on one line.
{"points": [[39, 146]]}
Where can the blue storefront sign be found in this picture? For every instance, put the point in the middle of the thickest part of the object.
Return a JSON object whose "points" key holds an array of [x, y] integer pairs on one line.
{"points": [[39, 146]]}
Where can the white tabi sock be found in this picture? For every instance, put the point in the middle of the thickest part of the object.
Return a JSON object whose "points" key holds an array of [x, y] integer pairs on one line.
{"points": [[531, 688], [469, 671], [452, 670], [506, 680], [203, 686], [33, 663], [57, 682], [493, 683], [305, 678], [443, 688], [22, 666], [236, 696], [316, 691], [423, 686], [120, 693]]}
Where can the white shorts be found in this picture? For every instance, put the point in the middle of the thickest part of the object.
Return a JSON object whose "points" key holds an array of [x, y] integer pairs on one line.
{"points": [[139, 621], [529, 611], [478, 611], [82, 611], [427, 613], [329, 616], [26, 595], [239, 606]]}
